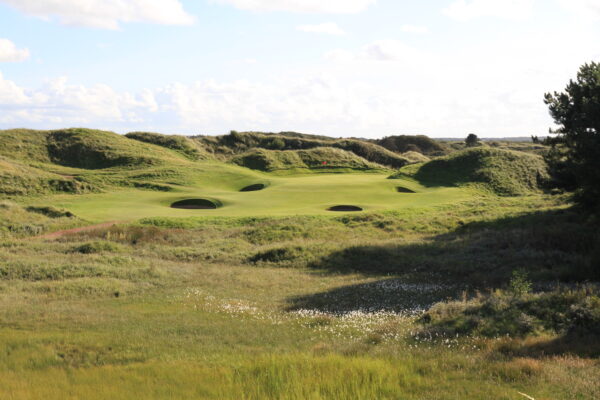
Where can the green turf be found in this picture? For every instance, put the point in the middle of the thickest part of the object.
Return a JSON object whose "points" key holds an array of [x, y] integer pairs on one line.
{"points": [[286, 195]]}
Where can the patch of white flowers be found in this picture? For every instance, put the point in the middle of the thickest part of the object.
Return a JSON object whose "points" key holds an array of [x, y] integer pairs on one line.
{"points": [[356, 324]]}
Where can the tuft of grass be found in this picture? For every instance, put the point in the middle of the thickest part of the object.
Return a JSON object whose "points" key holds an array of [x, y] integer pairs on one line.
{"points": [[98, 246], [181, 144], [51, 212], [500, 313]]}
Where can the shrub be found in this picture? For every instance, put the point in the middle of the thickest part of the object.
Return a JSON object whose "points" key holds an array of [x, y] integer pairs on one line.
{"points": [[519, 284]]}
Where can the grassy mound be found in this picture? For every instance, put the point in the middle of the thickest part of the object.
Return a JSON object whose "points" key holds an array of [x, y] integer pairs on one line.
{"points": [[502, 171], [407, 143], [17, 179], [415, 157], [181, 144], [91, 149], [25, 145], [79, 148], [323, 158], [240, 142], [506, 313]]}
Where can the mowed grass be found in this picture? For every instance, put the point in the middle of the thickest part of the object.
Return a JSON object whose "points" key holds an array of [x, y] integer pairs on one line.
{"points": [[309, 194]]}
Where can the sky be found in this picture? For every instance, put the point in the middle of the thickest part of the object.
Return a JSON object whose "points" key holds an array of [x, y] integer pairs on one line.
{"points": [[362, 68]]}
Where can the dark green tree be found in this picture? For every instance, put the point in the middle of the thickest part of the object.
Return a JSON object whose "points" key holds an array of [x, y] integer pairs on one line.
{"points": [[472, 140], [574, 159]]}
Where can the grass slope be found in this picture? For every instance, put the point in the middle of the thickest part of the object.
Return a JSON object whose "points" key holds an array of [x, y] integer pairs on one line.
{"points": [[319, 158], [502, 171], [83, 160], [419, 143], [182, 144], [240, 142]]}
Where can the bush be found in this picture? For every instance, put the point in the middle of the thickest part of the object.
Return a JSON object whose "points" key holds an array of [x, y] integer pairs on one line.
{"points": [[519, 284]]}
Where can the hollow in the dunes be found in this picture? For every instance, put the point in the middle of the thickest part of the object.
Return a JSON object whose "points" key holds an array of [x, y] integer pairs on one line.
{"points": [[345, 208], [196, 204]]}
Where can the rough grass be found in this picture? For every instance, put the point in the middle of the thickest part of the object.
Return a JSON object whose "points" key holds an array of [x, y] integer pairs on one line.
{"points": [[320, 158], [501, 171], [181, 144], [273, 297], [240, 142], [413, 144], [504, 313], [266, 308], [91, 149]]}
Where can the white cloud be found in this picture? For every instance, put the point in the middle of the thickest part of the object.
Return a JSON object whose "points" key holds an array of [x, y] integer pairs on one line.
{"points": [[10, 93], [464, 10], [381, 50], [418, 29], [328, 28], [63, 103], [337, 104], [10, 53], [385, 87], [106, 14], [588, 9], [305, 6]]}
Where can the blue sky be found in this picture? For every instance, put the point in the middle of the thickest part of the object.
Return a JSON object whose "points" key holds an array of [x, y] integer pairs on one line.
{"points": [[365, 68]]}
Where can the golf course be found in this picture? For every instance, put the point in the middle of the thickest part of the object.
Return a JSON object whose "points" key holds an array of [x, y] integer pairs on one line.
{"points": [[310, 194], [222, 268]]}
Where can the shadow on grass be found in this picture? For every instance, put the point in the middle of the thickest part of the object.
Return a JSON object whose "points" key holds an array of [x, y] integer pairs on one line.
{"points": [[549, 245], [583, 345], [388, 295]]}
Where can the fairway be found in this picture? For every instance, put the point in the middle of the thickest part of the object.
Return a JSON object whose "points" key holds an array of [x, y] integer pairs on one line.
{"points": [[310, 194]]}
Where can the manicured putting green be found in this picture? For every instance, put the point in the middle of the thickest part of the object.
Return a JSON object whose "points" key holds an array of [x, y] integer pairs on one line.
{"points": [[308, 194]]}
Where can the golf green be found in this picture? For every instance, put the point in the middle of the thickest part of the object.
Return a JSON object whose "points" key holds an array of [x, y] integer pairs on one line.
{"points": [[311, 194]]}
